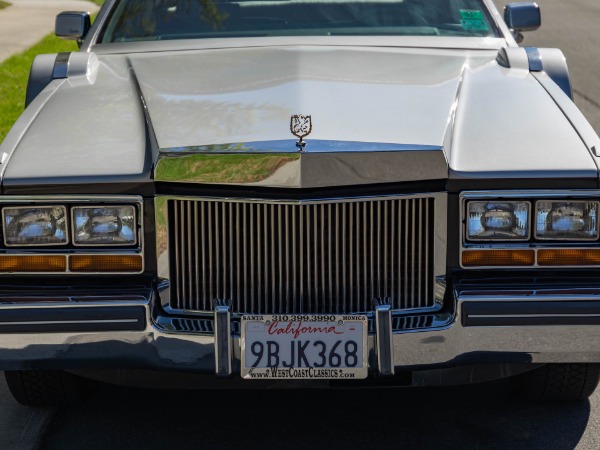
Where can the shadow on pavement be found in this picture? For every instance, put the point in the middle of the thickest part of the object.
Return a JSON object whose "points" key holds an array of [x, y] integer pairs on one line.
{"points": [[474, 417]]}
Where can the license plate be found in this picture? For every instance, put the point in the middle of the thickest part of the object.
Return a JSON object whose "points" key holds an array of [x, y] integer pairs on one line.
{"points": [[304, 346]]}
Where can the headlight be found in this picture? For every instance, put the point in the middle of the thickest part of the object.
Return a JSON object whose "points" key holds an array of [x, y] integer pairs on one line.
{"points": [[35, 226], [104, 225], [560, 220], [497, 220]]}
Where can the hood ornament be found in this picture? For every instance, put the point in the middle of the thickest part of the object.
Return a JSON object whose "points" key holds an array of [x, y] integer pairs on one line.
{"points": [[301, 126]]}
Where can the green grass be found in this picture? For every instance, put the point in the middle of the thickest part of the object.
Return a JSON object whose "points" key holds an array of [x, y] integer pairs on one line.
{"points": [[3, 4]]}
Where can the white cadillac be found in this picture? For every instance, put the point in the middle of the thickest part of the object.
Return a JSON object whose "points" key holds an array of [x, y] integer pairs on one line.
{"points": [[300, 193]]}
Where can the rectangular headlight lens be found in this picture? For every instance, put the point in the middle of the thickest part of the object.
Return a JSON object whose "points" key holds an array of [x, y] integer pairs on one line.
{"points": [[105, 225], [497, 220], [566, 220], [35, 226]]}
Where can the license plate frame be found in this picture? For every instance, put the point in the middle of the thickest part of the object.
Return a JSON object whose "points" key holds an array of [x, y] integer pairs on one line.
{"points": [[291, 332]]}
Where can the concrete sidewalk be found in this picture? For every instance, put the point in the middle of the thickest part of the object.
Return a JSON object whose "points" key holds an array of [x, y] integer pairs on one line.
{"points": [[25, 22]]}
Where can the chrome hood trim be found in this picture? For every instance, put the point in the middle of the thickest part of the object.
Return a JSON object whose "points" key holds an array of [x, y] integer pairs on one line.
{"points": [[321, 164], [289, 146]]}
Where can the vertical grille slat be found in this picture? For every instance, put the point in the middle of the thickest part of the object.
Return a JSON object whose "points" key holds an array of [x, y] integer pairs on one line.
{"points": [[338, 226], [372, 249], [210, 253], [189, 250], [365, 254], [217, 234], [295, 260], [413, 253], [385, 250], [259, 263], [317, 269], [202, 246], [280, 259], [306, 257], [232, 271], [196, 247], [419, 250], [250, 259], [177, 254], [329, 257], [245, 259], [405, 247], [392, 294], [426, 266], [352, 243], [344, 298]]}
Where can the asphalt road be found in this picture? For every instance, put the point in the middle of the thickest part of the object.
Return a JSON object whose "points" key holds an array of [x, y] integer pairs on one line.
{"points": [[472, 417], [571, 26], [484, 416]]}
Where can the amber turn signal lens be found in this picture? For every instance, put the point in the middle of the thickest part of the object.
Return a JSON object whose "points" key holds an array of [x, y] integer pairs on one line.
{"points": [[105, 263], [569, 257], [33, 263], [492, 258]]}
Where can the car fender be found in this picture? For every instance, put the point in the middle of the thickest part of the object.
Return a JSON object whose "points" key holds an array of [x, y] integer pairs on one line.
{"points": [[54, 66], [552, 61], [44, 69]]}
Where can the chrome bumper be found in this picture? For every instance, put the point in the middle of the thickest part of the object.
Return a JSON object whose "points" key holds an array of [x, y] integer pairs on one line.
{"points": [[570, 332]]}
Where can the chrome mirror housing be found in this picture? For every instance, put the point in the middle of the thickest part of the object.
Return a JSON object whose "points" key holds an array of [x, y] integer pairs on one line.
{"points": [[523, 16], [73, 25]]}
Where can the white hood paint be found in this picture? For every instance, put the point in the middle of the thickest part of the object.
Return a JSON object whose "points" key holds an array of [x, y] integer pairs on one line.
{"points": [[246, 95], [490, 120], [507, 126]]}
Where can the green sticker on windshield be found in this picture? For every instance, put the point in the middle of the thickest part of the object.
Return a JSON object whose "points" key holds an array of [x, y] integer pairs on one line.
{"points": [[473, 19]]}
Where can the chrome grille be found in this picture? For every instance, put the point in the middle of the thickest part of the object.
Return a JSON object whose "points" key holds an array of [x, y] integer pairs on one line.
{"points": [[308, 257]]}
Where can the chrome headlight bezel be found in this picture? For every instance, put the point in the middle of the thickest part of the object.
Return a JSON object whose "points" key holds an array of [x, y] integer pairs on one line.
{"points": [[75, 227], [565, 235], [5, 230], [501, 235], [36, 259], [66, 204], [584, 252]]}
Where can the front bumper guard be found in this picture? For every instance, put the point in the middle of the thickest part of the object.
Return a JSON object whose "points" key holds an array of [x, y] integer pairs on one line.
{"points": [[223, 345], [561, 327]]}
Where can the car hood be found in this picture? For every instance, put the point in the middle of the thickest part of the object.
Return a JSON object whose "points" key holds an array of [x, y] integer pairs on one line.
{"points": [[366, 95], [378, 115]]}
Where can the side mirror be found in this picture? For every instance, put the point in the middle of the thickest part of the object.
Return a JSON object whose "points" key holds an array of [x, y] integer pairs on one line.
{"points": [[73, 25], [523, 16]]}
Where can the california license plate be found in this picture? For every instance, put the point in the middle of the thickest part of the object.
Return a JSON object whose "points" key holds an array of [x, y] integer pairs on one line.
{"points": [[304, 346]]}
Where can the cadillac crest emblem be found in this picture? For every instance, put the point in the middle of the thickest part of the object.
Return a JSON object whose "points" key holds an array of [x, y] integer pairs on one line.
{"points": [[301, 126]]}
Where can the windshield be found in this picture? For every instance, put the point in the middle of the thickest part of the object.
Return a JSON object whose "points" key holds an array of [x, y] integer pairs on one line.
{"points": [[143, 20]]}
